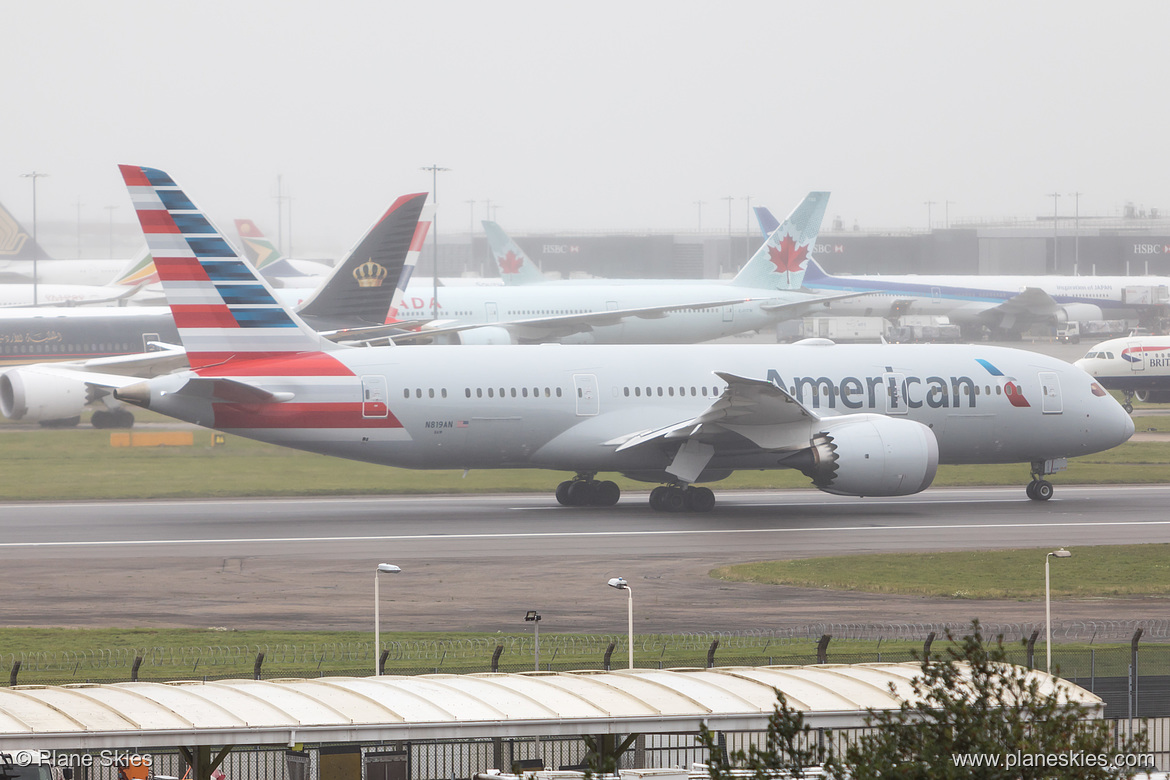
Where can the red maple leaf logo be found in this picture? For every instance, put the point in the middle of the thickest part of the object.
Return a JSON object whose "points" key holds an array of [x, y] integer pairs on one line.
{"points": [[787, 258], [510, 263]]}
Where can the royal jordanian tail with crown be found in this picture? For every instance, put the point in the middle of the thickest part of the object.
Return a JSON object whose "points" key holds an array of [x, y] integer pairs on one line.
{"points": [[873, 420]]}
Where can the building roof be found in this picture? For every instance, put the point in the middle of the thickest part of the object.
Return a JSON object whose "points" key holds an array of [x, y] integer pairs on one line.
{"points": [[441, 706]]}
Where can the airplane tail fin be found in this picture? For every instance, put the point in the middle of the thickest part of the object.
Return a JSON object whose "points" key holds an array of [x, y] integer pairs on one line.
{"points": [[416, 246], [515, 267], [259, 250], [139, 271], [16, 243], [781, 262], [362, 286], [223, 308], [768, 223]]}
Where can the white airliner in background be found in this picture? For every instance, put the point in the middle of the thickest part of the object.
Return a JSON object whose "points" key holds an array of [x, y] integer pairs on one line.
{"points": [[1136, 365], [872, 420], [1003, 303], [633, 311]]}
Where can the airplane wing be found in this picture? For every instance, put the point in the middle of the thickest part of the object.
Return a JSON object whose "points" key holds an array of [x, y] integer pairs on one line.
{"points": [[1032, 302], [537, 329], [767, 416], [166, 359], [118, 298]]}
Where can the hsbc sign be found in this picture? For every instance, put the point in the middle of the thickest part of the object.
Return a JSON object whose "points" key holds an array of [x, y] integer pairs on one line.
{"points": [[828, 249], [1151, 249]]}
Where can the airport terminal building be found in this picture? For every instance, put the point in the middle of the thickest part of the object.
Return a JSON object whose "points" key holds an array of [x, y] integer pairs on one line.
{"points": [[1135, 245]]}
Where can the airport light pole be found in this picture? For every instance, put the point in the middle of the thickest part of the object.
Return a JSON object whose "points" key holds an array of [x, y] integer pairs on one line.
{"points": [[110, 212], [383, 568], [1076, 231], [1061, 553], [435, 171], [36, 246], [700, 204], [1055, 233], [730, 199], [929, 220], [533, 617], [621, 584]]}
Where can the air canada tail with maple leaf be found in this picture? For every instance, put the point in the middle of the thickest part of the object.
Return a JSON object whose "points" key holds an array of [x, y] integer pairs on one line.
{"points": [[780, 263]]}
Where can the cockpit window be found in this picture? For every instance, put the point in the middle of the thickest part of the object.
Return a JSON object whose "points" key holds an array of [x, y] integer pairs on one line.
{"points": [[1090, 356]]}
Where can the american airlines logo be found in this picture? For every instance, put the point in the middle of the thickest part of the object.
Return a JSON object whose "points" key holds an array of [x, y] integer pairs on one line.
{"points": [[1151, 249], [828, 249], [560, 249]]}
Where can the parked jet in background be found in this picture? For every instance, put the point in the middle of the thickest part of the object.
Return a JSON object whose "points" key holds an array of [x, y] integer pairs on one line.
{"points": [[1136, 365], [871, 420], [125, 286], [269, 260], [633, 311], [1006, 304], [17, 250]]}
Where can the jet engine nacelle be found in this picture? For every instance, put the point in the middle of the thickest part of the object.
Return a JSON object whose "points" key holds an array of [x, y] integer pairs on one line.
{"points": [[1153, 396], [487, 335], [33, 395], [1078, 312], [873, 455]]}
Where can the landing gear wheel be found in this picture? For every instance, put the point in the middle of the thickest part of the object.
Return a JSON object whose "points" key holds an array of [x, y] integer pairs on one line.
{"points": [[102, 419], [657, 496], [1128, 407], [1039, 490], [563, 493], [700, 499], [673, 500], [580, 493], [120, 418], [606, 493]]}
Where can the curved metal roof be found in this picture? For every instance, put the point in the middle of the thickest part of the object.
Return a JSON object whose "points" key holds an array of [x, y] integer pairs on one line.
{"points": [[351, 709]]}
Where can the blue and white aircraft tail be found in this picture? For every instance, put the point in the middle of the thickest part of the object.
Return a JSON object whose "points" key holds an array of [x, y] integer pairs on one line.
{"points": [[781, 263], [514, 265]]}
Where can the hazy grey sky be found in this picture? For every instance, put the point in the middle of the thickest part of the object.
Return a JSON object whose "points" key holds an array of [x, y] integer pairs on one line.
{"points": [[587, 116]]}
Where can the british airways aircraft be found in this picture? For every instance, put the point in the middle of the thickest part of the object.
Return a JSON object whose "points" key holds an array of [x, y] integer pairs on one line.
{"points": [[1135, 365], [873, 420]]}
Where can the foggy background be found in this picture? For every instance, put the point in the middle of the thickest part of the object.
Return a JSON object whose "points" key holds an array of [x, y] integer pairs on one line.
{"points": [[582, 117]]}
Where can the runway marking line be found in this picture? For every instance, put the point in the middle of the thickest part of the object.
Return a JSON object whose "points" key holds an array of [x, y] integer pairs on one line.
{"points": [[575, 534]]}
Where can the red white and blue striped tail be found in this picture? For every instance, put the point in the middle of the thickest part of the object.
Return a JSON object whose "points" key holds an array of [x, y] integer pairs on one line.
{"points": [[223, 308], [411, 262]]}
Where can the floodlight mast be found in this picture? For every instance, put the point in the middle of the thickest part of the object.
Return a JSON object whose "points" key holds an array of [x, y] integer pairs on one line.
{"points": [[533, 617], [621, 584], [1061, 553], [383, 568]]}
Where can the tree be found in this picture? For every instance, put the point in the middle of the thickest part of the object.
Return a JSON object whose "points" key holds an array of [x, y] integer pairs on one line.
{"points": [[974, 706], [972, 715], [787, 748]]}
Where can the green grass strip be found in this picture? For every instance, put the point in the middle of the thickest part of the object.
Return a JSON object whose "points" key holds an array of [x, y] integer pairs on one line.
{"points": [[1092, 572], [80, 464]]}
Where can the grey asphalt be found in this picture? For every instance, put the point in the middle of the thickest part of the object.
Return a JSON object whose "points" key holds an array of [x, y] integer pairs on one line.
{"points": [[479, 562]]}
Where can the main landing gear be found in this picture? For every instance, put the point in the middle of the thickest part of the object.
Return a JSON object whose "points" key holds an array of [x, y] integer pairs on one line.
{"points": [[116, 418], [675, 498], [584, 490], [1039, 489]]}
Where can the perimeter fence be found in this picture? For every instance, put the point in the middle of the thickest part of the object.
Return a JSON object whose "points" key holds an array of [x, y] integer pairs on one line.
{"points": [[1126, 663]]}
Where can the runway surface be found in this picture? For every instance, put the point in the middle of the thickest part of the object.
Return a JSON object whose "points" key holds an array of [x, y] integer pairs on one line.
{"points": [[479, 562]]}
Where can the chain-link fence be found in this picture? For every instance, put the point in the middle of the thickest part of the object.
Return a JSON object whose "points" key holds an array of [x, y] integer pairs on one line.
{"points": [[1121, 661]]}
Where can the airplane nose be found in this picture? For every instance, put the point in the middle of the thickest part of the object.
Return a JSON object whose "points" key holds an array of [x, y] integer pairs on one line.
{"points": [[1127, 426]]}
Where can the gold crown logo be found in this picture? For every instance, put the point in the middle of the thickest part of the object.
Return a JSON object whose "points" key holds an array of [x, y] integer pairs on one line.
{"points": [[370, 274]]}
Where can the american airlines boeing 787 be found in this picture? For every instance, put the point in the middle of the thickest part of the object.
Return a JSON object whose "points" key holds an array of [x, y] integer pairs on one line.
{"points": [[872, 420]]}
